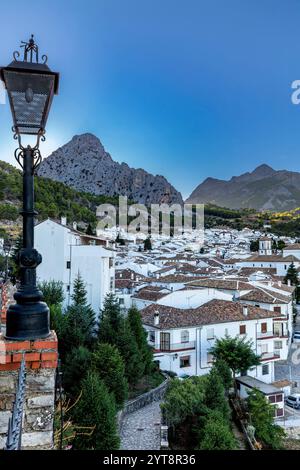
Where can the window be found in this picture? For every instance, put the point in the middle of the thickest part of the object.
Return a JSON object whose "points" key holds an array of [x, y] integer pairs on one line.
{"points": [[68, 264], [112, 281], [265, 369], [242, 329], [151, 336], [279, 412], [277, 309], [279, 398], [111, 263], [185, 336], [257, 305], [185, 361], [277, 344], [285, 266], [165, 341], [210, 333], [272, 399], [264, 327], [121, 301], [264, 348], [68, 288]]}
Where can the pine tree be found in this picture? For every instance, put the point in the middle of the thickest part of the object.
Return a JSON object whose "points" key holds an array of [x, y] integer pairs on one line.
{"points": [[292, 275], [132, 357], [79, 291], [108, 363], [96, 408], [79, 322], [140, 336], [76, 366], [215, 394], [115, 329], [111, 320]]}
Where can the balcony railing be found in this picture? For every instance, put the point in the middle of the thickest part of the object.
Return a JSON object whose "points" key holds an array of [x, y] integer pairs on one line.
{"points": [[266, 334], [269, 356], [175, 347]]}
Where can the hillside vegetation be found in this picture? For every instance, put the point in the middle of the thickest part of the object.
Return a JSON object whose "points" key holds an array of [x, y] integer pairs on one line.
{"points": [[52, 199]]}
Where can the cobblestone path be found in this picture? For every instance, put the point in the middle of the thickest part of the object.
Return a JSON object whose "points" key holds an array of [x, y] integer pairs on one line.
{"points": [[141, 429]]}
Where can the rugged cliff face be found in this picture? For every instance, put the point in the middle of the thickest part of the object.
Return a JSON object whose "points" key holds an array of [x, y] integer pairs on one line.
{"points": [[84, 165], [262, 189]]}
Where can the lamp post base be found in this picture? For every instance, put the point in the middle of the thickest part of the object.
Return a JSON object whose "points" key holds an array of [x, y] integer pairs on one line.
{"points": [[27, 321]]}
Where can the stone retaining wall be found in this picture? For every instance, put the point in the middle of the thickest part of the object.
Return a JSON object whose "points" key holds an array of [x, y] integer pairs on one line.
{"points": [[143, 400]]}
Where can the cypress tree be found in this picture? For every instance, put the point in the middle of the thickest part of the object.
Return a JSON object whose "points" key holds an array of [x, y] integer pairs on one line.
{"points": [[108, 363], [140, 335], [111, 320], [75, 369], [96, 408]]}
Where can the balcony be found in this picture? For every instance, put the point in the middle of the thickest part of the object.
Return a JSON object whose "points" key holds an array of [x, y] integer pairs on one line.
{"points": [[269, 356], [265, 335], [173, 347]]}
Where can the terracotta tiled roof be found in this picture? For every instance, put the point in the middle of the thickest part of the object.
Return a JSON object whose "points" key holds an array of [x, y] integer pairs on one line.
{"points": [[215, 311], [225, 284], [265, 296], [293, 246], [271, 258], [150, 293], [248, 271]]}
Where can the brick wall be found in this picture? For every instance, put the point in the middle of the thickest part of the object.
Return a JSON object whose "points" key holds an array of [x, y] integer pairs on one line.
{"points": [[41, 361]]}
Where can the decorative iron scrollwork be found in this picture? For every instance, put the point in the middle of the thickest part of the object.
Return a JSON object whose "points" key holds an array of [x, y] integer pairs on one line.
{"points": [[30, 49]]}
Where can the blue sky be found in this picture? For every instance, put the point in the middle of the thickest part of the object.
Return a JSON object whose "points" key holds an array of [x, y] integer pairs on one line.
{"points": [[187, 89]]}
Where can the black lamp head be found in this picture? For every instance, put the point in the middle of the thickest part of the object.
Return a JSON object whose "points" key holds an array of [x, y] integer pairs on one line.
{"points": [[31, 86]]}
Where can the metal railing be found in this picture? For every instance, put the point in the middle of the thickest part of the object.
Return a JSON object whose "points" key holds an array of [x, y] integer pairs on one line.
{"points": [[175, 346], [14, 433], [265, 334]]}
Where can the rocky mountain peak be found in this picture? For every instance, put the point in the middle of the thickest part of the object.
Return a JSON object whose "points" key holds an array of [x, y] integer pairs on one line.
{"points": [[84, 164]]}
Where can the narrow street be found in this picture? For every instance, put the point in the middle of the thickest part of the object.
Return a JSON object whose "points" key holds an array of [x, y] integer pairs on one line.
{"points": [[141, 429]]}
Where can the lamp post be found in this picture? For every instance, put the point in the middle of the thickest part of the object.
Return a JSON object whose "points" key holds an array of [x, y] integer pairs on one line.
{"points": [[31, 86]]}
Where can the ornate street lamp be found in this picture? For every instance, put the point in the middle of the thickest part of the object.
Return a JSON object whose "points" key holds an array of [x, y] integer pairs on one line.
{"points": [[31, 86]]}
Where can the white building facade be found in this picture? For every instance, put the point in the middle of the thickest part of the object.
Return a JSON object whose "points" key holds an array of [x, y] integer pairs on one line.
{"points": [[67, 253], [185, 349]]}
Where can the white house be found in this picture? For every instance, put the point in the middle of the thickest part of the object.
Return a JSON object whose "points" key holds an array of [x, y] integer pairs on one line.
{"points": [[67, 252], [272, 394], [267, 259], [182, 338]]}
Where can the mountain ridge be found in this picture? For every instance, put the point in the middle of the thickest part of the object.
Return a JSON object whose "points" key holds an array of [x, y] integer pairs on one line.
{"points": [[262, 189]]}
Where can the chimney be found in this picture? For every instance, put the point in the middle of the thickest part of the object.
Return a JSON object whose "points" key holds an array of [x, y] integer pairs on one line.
{"points": [[245, 310], [74, 225], [156, 318], [289, 282], [279, 283], [63, 220]]}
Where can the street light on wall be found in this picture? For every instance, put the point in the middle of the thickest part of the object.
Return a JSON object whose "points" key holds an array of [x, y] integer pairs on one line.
{"points": [[30, 85]]}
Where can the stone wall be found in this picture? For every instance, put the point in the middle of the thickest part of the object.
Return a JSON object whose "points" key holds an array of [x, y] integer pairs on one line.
{"points": [[41, 362], [155, 394]]}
